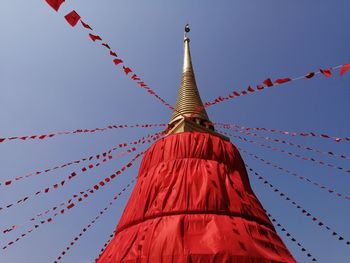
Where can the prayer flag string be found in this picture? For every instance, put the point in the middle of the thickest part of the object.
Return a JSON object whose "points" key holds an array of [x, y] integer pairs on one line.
{"points": [[296, 205], [89, 225]]}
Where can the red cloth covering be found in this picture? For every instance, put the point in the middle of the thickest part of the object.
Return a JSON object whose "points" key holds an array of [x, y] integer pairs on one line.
{"points": [[193, 203]]}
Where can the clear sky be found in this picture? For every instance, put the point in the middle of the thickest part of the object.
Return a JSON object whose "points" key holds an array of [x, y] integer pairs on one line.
{"points": [[53, 78]]}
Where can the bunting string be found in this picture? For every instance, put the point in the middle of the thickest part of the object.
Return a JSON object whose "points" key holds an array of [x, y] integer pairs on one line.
{"points": [[302, 178], [304, 158], [267, 83], [300, 208], [266, 138], [79, 131], [293, 134], [92, 222], [83, 194], [73, 18], [70, 205], [288, 235], [103, 156], [105, 245], [64, 182]]}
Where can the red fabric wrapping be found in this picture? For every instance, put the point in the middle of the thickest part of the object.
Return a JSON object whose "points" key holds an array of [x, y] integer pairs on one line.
{"points": [[72, 18], [55, 4], [193, 203]]}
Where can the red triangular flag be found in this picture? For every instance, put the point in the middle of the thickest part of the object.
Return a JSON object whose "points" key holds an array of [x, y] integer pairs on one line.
{"points": [[117, 61], [236, 93], [106, 45], [326, 72], [250, 89], [260, 87], [281, 81], [113, 54], [344, 69], [94, 37], [309, 75], [55, 4], [72, 18], [127, 70], [268, 82], [85, 25]]}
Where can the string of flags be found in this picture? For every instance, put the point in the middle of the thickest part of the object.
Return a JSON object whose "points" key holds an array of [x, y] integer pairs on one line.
{"points": [[73, 18], [98, 156], [80, 131], [65, 181], [268, 83], [70, 205], [304, 158], [300, 208], [105, 245], [287, 234], [266, 138], [293, 134], [302, 178], [90, 224], [84, 194]]}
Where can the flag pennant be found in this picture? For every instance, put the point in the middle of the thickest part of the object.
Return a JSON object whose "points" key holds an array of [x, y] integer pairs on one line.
{"points": [[127, 70], [268, 82], [117, 61], [106, 45], [326, 72], [310, 75], [250, 89], [85, 25], [72, 18], [344, 69], [281, 81], [94, 37], [55, 4], [113, 54]]}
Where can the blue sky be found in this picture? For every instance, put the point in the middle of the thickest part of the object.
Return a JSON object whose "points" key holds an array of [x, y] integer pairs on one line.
{"points": [[53, 78]]}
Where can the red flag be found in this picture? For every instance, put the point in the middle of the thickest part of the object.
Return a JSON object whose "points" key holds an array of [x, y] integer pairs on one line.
{"points": [[94, 37], [260, 87], [127, 70], [268, 82], [117, 61], [113, 54], [106, 45], [85, 25], [236, 93], [2, 139], [326, 72], [344, 69], [135, 77], [55, 4], [310, 75], [72, 18], [250, 89], [281, 81]]}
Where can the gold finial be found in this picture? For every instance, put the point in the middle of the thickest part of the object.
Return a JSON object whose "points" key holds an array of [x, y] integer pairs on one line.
{"points": [[187, 30]]}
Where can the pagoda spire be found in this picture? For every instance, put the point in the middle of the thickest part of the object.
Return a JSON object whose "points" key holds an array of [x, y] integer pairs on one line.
{"points": [[189, 102], [189, 113]]}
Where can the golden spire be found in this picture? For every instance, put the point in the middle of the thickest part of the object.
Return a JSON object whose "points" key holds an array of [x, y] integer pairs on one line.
{"points": [[188, 102], [189, 113]]}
